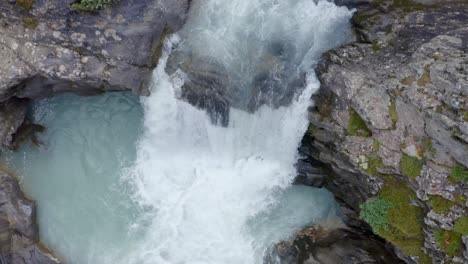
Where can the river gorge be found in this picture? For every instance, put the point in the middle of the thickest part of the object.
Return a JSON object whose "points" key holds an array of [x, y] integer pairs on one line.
{"points": [[218, 132]]}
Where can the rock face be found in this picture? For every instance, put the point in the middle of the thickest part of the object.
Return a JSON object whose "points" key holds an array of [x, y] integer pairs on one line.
{"points": [[18, 231], [48, 47], [12, 115], [391, 126]]}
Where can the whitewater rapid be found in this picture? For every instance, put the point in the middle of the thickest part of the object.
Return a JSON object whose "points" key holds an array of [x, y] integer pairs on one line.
{"points": [[201, 183]]}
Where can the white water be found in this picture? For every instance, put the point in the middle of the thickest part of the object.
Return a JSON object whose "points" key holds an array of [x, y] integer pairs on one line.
{"points": [[203, 183], [191, 192]]}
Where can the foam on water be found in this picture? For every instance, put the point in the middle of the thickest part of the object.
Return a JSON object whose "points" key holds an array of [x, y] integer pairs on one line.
{"points": [[203, 183], [185, 191]]}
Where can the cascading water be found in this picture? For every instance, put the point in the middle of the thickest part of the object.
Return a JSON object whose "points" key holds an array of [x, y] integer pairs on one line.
{"points": [[193, 191], [203, 182]]}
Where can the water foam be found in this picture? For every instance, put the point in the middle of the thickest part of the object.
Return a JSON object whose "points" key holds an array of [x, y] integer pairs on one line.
{"points": [[200, 183]]}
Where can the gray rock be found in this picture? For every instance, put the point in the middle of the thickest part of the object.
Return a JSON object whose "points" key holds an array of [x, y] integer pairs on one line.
{"points": [[407, 79], [52, 48], [18, 230], [12, 115]]}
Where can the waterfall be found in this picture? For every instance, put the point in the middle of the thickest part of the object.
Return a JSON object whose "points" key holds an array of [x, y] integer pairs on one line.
{"points": [[177, 186], [200, 183]]}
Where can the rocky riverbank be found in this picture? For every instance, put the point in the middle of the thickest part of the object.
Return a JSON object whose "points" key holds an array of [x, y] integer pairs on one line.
{"points": [[391, 127]]}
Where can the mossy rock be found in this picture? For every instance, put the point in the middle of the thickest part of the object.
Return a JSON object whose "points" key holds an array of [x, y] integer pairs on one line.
{"points": [[425, 77], [376, 47], [440, 205], [91, 5], [30, 22], [459, 174], [375, 213], [393, 216], [376, 145], [393, 112], [461, 225], [26, 5], [449, 241], [410, 166], [357, 126]]}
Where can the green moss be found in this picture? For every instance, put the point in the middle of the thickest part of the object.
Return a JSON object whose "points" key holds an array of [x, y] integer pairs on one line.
{"points": [[393, 112], [449, 241], [404, 220], [373, 163], [459, 174], [461, 225], [460, 199], [376, 46], [410, 166], [30, 22], [26, 5], [465, 116], [425, 77], [375, 213], [376, 145], [357, 126], [91, 5], [440, 205]]}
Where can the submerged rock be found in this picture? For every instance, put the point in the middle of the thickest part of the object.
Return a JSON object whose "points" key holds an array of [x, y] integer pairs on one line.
{"points": [[19, 237], [391, 122]]}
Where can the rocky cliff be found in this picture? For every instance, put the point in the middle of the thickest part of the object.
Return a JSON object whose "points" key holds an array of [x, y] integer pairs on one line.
{"points": [[390, 127]]}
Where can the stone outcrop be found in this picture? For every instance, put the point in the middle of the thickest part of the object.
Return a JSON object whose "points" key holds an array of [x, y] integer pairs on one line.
{"points": [[390, 127], [47, 47], [19, 239]]}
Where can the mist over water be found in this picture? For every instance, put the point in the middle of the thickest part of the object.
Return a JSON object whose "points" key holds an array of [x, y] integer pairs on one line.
{"points": [[116, 183]]}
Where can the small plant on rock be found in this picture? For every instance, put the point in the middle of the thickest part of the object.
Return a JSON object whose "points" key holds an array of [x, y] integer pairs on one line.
{"points": [[91, 5]]}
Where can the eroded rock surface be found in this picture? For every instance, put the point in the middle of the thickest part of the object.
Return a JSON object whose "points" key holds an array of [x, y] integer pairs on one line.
{"points": [[391, 126], [48, 47]]}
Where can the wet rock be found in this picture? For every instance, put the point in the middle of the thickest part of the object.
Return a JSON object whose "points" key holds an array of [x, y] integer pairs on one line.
{"points": [[18, 230], [12, 115]]}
